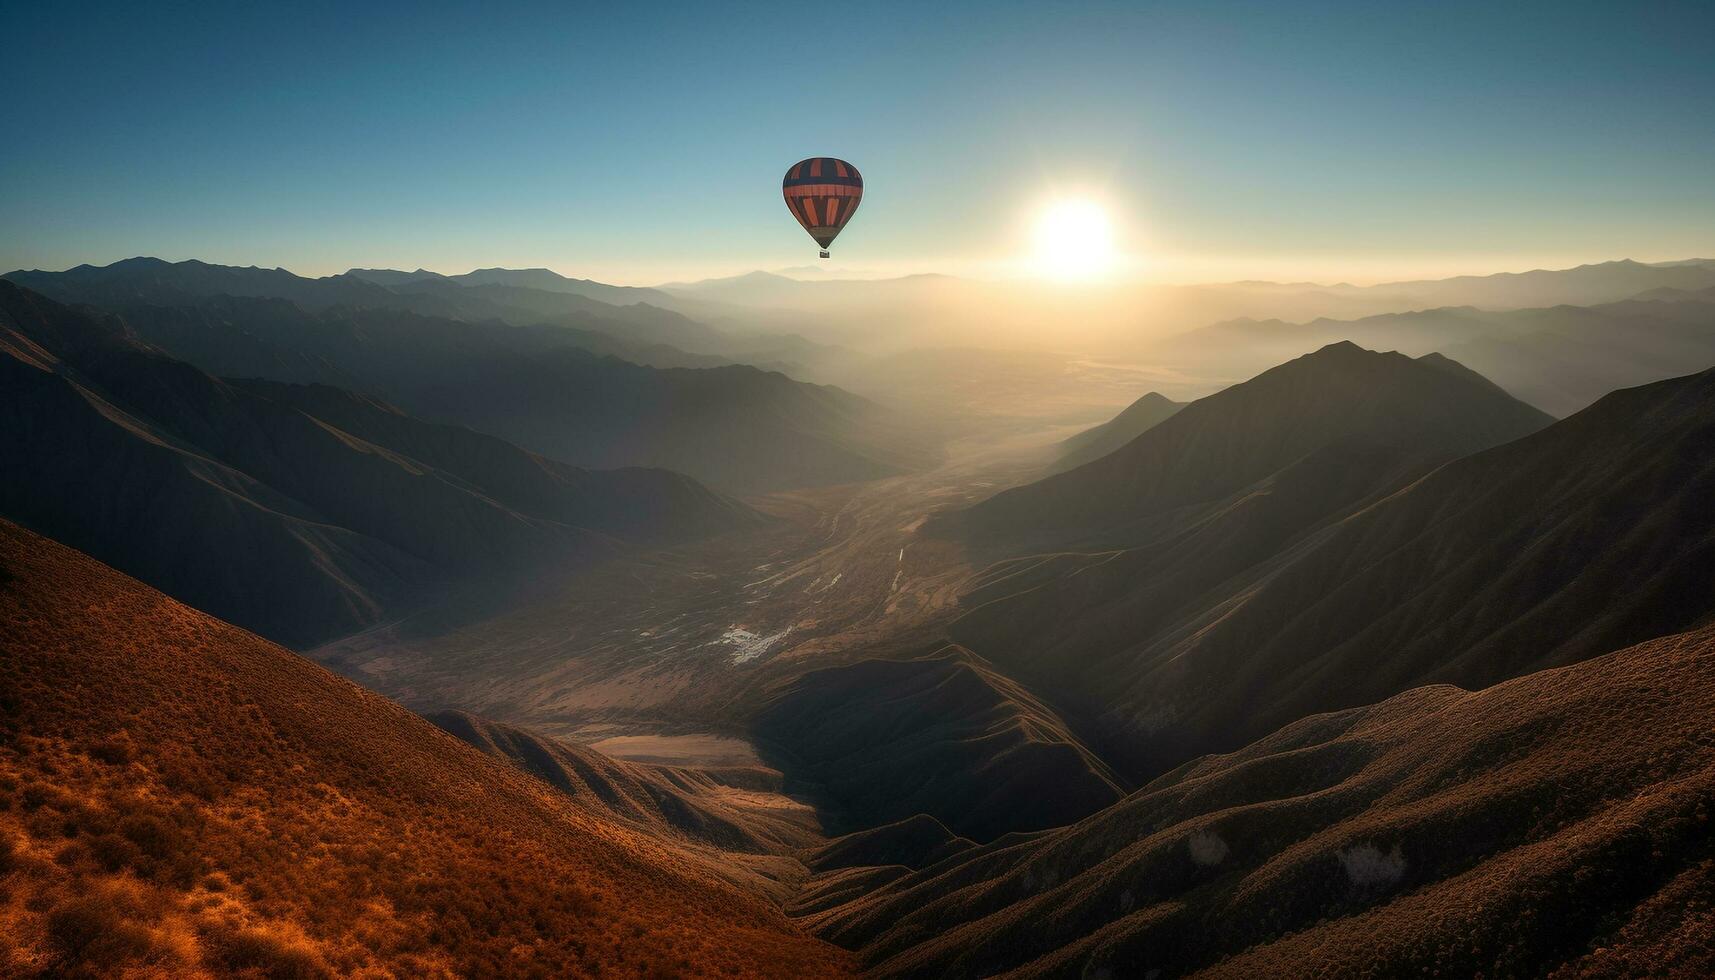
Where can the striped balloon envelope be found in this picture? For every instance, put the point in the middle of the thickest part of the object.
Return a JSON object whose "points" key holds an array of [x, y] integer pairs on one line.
{"points": [[823, 194]]}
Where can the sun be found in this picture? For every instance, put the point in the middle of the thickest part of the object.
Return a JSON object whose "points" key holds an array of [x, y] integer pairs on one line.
{"points": [[1074, 240]]}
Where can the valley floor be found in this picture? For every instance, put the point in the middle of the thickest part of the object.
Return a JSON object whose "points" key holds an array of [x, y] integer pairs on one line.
{"points": [[657, 657]]}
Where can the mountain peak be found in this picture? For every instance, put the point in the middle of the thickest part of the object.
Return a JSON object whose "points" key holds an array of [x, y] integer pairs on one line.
{"points": [[1401, 416]]}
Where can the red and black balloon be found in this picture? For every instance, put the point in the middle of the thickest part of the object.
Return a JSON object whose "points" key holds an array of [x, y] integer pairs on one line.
{"points": [[823, 194]]}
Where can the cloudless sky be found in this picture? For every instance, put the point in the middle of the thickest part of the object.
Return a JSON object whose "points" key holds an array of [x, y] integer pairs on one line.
{"points": [[646, 142]]}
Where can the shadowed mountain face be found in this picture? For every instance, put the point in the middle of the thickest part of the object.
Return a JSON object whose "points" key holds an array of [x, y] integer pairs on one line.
{"points": [[915, 842], [883, 740], [1559, 821], [265, 337], [181, 798], [148, 281], [1389, 418], [300, 512], [710, 806], [499, 359], [1586, 536], [1139, 417]]}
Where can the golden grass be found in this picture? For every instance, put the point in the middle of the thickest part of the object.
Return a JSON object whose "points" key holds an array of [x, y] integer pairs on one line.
{"points": [[181, 798]]}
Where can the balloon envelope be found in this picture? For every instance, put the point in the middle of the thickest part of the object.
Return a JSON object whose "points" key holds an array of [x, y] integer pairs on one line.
{"points": [[823, 193]]}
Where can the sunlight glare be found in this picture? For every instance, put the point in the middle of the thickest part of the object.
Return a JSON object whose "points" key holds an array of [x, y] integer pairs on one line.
{"points": [[1074, 240]]}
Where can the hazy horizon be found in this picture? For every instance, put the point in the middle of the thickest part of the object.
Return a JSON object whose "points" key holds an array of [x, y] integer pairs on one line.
{"points": [[834, 271]]}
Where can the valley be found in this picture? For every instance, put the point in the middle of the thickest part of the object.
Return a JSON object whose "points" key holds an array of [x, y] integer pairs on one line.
{"points": [[656, 654]]}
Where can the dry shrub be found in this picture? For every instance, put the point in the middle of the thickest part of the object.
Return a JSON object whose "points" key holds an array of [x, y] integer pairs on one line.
{"points": [[274, 950], [101, 931], [115, 750], [114, 852]]}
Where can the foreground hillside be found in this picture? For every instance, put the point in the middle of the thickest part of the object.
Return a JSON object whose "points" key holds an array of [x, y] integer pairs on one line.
{"points": [[181, 798], [1554, 824]]}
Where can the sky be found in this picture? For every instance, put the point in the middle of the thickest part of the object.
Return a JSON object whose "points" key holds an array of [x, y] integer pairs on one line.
{"points": [[645, 142]]}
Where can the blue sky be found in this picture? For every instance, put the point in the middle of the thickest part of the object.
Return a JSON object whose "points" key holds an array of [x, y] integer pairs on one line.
{"points": [[645, 143]]}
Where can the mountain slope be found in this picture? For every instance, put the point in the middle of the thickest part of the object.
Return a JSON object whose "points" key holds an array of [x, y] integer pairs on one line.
{"points": [[1137, 418], [1586, 536], [182, 798], [1405, 838], [1403, 415], [881, 741], [715, 807], [300, 512]]}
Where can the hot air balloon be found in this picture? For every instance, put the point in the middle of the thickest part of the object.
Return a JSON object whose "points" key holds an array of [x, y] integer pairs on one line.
{"points": [[823, 194]]}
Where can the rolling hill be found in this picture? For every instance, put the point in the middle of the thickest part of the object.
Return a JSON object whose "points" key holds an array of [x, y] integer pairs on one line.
{"points": [[300, 512], [1556, 824], [179, 797]]}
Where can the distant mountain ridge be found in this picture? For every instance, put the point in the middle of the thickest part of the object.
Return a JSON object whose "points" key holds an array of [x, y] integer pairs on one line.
{"points": [[1560, 358], [948, 311], [498, 359], [543, 279], [151, 281]]}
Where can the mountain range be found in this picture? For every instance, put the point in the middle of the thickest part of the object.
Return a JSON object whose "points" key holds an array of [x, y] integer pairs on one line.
{"points": [[945, 311], [301, 512], [504, 363]]}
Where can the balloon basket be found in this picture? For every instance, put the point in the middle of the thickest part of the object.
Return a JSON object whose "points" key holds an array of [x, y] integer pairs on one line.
{"points": [[824, 255]]}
